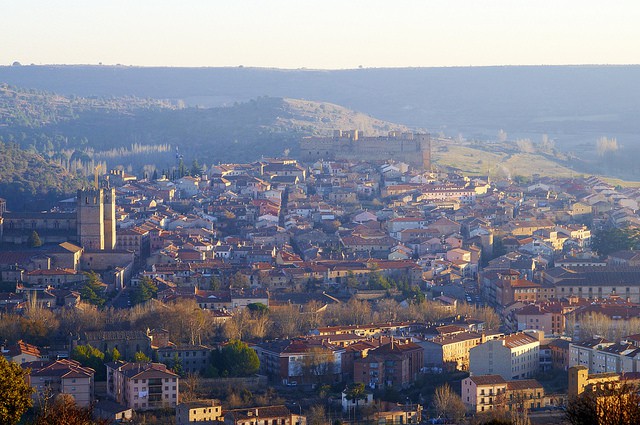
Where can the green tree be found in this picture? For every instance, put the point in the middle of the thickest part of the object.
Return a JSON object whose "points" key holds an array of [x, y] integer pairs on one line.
{"points": [[90, 357], [92, 291], [352, 280], [145, 290], [16, 393], [607, 241], [356, 392], [140, 357], [258, 308], [196, 169], [112, 356], [34, 240], [182, 170], [378, 281], [236, 359], [175, 364]]}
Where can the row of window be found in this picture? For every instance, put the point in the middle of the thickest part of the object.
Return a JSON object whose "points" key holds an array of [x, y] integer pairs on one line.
{"points": [[144, 381]]}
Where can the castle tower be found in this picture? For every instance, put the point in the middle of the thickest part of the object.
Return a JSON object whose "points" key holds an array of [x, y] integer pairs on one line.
{"points": [[90, 219], [109, 218], [425, 147]]}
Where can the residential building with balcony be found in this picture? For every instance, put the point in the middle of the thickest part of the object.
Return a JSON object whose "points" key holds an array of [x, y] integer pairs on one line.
{"points": [[484, 393], [142, 386], [61, 377]]}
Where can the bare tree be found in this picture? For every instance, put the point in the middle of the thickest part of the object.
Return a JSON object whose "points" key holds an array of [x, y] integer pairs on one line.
{"points": [[387, 310], [189, 387], [258, 326], [318, 364], [236, 327], [448, 404], [286, 321], [314, 312], [317, 416]]}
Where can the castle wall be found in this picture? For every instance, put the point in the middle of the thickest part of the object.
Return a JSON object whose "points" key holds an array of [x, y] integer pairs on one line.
{"points": [[414, 149]]}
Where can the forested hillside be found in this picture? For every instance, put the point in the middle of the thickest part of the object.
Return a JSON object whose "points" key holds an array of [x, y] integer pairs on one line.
{"points": [[144, 131], [32, 108], [28, 181]]}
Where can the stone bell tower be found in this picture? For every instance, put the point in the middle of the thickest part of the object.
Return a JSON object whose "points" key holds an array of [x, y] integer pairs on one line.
{"points": [[96, 219]]}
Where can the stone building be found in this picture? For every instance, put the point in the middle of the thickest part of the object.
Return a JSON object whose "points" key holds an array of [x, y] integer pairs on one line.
{"points": [[128, 343], [412, 148], [96, 218], [200, 411], [263, 416], [92, 225], [483, 393]]}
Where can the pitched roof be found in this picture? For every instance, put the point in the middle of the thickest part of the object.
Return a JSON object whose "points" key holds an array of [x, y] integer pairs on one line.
{"points": [[523, 384], [259, 412], [517, 340], [487, 379], [63, 368], [22, 347]]}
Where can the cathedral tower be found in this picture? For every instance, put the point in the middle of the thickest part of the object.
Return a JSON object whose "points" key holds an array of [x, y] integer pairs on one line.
{"points": [[90, 210], [96, 219], [109, 218]]}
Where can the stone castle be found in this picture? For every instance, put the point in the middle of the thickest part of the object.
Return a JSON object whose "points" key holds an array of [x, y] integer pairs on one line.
{"points": [[412, 148]]}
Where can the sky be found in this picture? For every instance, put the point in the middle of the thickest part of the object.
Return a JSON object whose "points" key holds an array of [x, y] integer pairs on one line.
{"points": [[325, 34]]}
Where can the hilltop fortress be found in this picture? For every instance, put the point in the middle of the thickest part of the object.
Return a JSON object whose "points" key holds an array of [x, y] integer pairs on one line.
{"points": [[412, 148]]}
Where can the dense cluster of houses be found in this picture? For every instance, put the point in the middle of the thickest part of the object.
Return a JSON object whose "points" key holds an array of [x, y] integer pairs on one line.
{"points": [[276, 231]]}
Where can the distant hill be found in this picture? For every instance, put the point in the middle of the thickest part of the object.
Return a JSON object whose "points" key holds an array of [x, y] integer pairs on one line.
{"points": [[109, 114], [33, 108], [573, 104], [138, 131]]}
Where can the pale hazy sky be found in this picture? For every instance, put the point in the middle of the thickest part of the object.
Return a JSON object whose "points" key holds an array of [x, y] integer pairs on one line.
{"points": [[320, 34]]}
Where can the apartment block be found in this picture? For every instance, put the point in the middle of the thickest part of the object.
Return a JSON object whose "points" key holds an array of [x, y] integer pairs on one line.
{"points": [[142, 386], [515, 356]]}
